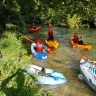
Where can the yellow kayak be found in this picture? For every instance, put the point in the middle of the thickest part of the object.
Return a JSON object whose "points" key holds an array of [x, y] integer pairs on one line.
{"points": [[52, 43], [85, 46]]}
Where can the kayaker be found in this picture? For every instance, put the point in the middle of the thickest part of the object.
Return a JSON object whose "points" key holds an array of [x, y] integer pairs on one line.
{"points": [[92, 62], [34, 25], [50, 35], [50, 32], [43, 72], [39, 47], [75, 38]]}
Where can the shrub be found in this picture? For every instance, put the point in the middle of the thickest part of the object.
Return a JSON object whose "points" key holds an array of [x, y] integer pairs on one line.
{"points": [[13, 80], [73, 22]]}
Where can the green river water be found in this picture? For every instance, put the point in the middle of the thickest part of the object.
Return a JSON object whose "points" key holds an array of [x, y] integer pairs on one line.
{"points": [[66, 60]]}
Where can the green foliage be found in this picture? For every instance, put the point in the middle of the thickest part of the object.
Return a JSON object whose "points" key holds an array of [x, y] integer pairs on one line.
{"points": [[47, 11], [10, 26], [73, 22], [48, 17], [12, 5], [85, 25], [12, 19], [11, 46], [14, 81]]}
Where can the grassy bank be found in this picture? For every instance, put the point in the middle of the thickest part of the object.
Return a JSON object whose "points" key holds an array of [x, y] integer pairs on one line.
{"points": [[15, 54]]}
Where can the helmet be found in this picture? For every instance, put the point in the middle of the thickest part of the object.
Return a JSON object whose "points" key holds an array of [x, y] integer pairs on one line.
{"points": [[38, 41], [76, 33]]}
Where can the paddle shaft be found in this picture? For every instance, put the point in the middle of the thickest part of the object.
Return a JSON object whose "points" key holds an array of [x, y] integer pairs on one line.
{"points": [[28, 39], [85, 58]]}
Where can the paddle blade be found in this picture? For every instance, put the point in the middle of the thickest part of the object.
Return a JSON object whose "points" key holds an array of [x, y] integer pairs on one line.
{"points": [[50, 50], [82, 56], [26, 38]]}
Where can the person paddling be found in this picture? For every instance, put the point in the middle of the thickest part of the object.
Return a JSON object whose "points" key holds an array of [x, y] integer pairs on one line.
{"points": [[50, 33], [34, 25], [43, 72], [92, 62], [75, 38], [39, 47]]}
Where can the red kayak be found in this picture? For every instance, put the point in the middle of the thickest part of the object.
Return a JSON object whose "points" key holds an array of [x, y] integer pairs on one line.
{"points": [[34, 30]]}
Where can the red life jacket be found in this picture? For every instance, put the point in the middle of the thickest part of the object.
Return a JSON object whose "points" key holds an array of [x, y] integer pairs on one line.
{"points": [[40, 48], [50, 33], [76, 39]]}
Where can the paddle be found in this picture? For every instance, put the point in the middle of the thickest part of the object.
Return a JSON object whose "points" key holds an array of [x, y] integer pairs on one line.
{"points": [[48, 49], [82, 56], [26, 38], [85, 58]]}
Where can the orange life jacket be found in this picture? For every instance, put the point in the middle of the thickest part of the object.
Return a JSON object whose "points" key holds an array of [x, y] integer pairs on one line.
{"points": [[40, 48]]}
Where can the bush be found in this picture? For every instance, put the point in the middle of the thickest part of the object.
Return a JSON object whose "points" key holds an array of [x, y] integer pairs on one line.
{"points": [[74, 21], [13, 80]]}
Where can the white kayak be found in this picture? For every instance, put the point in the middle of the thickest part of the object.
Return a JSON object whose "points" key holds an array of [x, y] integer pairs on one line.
{"points": [[55, 77], [88, 72]]}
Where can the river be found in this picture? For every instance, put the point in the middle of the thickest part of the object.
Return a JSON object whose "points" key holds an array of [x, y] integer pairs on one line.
{"points": [[67, 60]]}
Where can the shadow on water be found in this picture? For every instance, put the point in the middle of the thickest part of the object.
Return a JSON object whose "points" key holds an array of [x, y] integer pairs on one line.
{"points": [[18, 89]]}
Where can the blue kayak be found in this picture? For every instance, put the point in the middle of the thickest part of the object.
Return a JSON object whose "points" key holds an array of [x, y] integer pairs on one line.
{"points": [[88, 72], [40, 56], [55, 77]]}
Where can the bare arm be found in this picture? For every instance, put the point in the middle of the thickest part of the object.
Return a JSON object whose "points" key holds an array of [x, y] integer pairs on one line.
{"points": [[92, 62]]}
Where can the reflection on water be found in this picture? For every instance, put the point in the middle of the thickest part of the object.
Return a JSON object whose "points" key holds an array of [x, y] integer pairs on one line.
{"points": [[66, 60]]}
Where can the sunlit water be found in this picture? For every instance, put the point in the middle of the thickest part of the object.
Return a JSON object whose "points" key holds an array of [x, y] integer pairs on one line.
{"points": [[66, 60]]}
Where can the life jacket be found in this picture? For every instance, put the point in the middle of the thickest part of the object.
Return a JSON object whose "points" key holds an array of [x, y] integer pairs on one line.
{"points": [[40, 48], [76, 39], [50, 33]]}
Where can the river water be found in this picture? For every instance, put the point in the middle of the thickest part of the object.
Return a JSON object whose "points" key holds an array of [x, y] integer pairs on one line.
{"points": [[67, 60]]}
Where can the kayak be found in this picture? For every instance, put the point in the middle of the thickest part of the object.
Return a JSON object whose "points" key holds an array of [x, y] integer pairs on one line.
{"points": [[85, 46], [54, 77], [88, 72], [52, 43], [40, 56], [34, 30]]}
